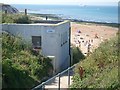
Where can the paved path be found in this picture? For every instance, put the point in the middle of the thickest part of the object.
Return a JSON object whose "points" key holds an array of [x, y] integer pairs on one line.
{"points": [[53, 84]]}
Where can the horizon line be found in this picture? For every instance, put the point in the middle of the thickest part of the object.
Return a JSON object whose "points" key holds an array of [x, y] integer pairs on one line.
{"points": [[77, 4], [66, 4]]}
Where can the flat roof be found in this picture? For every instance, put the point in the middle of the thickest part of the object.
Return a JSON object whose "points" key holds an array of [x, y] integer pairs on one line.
{"points": [[44, 23]]}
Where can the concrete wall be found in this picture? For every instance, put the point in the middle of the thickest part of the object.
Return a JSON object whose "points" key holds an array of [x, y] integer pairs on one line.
{"points": [[52, 37], [64, 49], [24, 31]]}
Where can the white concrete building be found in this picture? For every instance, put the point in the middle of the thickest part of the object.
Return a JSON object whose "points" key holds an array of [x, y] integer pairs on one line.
{"points": [[52, 37]]}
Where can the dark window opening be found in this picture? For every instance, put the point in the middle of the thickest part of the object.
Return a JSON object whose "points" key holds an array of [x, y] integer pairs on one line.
{"points": [[36, 42]]}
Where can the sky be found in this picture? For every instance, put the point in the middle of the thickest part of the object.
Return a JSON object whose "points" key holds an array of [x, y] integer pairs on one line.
{"points": [[62, 2]]}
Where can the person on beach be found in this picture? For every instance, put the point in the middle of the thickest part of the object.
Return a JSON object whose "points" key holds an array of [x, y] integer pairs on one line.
{"points": [[79, 31], [91, 40], [89, 45], [79, 43], [96, 36]]}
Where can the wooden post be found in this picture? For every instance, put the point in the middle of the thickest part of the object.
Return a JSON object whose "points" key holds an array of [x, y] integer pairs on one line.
{"points": [[25, 11], [46, 17]]}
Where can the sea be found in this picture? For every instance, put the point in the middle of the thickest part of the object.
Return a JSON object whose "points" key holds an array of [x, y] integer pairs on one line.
{"points": [[106, 14]]}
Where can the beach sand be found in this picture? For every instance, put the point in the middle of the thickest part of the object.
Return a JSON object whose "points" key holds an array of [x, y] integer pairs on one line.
{"points": [[87, 34]]}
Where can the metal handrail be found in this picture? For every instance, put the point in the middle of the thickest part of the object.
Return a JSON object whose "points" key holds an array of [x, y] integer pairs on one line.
{"points": [[58, 75]]}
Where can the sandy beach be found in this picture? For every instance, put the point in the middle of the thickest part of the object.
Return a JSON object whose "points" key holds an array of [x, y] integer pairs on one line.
{"points": [[84, 34]]}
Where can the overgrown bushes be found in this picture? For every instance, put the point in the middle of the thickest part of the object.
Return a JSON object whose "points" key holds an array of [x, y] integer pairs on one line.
{"points": [[100, 68], [15, 18], [20, 68], [23, 19]]}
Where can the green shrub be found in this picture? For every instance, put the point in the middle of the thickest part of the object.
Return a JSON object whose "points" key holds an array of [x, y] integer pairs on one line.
{"points": [[15, 78], [8, 18], [23, 19], [15, 18]]}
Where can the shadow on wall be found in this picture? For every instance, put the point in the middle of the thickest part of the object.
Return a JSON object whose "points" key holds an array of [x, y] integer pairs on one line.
{"points": [[77, 55]]}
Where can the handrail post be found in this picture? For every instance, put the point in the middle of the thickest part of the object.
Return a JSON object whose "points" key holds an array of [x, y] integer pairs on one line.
{"points": [[43, 86], [68, 77], [59, 81]]}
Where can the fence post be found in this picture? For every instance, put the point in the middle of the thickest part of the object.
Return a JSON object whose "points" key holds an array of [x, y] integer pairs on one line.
{"points": [[25, 11], [59, 81], [68, 77]]}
